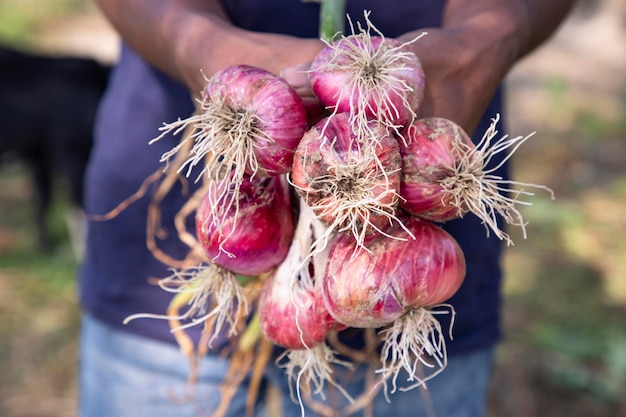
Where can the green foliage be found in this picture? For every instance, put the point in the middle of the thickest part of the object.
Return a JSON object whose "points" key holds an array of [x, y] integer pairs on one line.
{"points": [[38, 306], [587, 365]]}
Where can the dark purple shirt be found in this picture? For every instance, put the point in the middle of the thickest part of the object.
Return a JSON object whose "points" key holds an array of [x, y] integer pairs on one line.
{"points": [[114, 278]]}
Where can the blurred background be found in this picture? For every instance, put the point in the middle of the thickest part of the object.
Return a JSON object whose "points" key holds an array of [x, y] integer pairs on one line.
{"points": [[565, 291]]}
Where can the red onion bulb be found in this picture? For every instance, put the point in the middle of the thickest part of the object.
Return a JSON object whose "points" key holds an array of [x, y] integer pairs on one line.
{"points": [[293, 316], [398, 283], [249, 120], [374, 287], [369, 77], [351, 186], [291, 310], [431, 150], [252, 236], [445, 175]]}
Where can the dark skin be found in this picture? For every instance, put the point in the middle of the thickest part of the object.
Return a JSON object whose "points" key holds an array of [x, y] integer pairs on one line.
{"points": [[464, 61]]}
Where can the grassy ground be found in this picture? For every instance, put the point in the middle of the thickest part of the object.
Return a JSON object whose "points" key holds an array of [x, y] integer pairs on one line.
{"points": [[564, 313], [38, 314]]}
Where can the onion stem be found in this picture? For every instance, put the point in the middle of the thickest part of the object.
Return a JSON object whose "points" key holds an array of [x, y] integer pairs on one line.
{"points": [[332, 15], [251, 335], [244, 280]]}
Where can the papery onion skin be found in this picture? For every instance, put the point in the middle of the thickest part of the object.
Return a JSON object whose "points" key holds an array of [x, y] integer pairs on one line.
{"points": [[279, 111], [257, 236], [332, 142], [374, 287], [330, 69], [295, 319], [430, 150]]}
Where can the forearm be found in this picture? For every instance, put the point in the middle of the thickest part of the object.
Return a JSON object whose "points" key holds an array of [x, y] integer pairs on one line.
{"points": [[479, 42], [513, 28], [191, 39], [150, 28]]}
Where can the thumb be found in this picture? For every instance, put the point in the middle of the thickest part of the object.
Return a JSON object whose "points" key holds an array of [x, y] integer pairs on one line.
{"points": [[297, 77]]}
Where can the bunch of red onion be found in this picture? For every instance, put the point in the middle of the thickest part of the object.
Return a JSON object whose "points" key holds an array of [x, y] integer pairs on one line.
{"points": [[243, 137], [373, 180]]}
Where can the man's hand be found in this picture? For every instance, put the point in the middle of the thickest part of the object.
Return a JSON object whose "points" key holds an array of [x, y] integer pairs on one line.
{"points": [[458, 85], [467, 59], [460, 81], [464, 61]]}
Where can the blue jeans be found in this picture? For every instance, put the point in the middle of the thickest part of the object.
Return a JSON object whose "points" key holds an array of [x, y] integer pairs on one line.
{"points": [[124, 375]]}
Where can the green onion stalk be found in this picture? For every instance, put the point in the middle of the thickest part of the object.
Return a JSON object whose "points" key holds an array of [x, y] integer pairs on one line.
{"points": [[332, 18]]}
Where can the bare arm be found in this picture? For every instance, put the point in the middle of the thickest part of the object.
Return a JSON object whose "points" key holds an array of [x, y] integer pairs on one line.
{"points": [[465, 60], [480, 41], [182, 37]]}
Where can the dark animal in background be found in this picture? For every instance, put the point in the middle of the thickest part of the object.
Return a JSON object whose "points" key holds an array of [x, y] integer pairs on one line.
{"points": [[47, 110]]}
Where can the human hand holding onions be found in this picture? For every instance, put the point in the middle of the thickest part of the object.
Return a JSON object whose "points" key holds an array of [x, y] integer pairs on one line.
{"points": [[357, 170], [451, 74], [352, 169]]}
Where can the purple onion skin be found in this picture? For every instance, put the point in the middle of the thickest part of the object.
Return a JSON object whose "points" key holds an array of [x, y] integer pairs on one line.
{"points": [[281, 113], [263, 228], [378, 286], [315, 158], [279, 309], [328, 83], [426, 161]]}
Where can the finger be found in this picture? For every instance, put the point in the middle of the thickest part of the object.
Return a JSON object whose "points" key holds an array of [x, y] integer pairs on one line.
{"points": [[297, 76]]}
